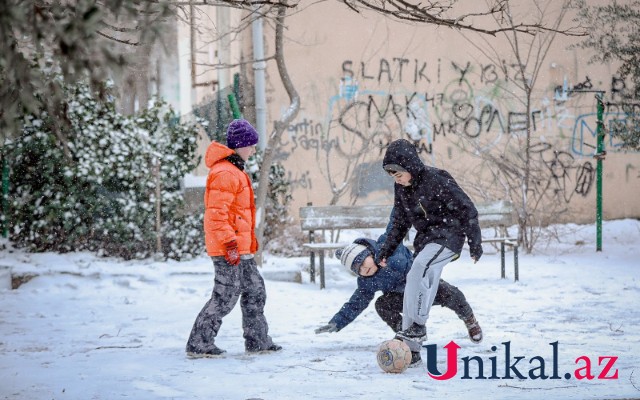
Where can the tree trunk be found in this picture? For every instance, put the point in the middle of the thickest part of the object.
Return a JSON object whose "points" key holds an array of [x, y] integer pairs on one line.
{"points": [[278, 129], [526, 223]]}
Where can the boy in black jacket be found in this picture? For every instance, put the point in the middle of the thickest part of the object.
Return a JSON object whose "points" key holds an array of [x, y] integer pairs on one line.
{"points": [[431, 201]]}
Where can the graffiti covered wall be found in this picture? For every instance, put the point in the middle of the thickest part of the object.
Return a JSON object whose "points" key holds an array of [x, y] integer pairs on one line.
{"points": [[464, 112]]}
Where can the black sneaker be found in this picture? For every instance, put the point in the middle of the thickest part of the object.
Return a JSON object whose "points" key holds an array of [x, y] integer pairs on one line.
{"points": [[215, 352], [415, 332], [475, 332], [271, 349], [415, 359]]}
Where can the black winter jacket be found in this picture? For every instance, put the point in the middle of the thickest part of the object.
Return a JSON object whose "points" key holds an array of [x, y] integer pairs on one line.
{"points": [[434, 204]]}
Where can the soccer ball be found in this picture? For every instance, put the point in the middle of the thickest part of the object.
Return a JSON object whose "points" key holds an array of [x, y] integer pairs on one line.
{"points": [[394, 356]]}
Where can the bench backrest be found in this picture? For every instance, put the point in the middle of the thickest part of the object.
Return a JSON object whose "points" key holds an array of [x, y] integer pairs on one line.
{"points": [[344, 217], [496, 213], [490, 214]]}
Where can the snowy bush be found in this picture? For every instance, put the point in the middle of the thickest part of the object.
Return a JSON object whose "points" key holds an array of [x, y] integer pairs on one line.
{"points": [[98, 189]]}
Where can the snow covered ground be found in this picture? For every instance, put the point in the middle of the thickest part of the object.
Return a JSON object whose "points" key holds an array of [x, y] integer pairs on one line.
{"points": [[96, 328]]}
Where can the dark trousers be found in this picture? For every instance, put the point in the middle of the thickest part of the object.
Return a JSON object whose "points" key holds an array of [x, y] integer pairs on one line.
{"points": [[389, 305], [231, 283]]}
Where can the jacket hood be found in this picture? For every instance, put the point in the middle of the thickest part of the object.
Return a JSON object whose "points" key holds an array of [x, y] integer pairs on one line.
{"points": [[216, 152], [403, 153], [369, 244]]}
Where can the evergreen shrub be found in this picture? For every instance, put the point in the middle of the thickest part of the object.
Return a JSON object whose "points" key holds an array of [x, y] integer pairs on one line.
{"points": [[95, 186]]}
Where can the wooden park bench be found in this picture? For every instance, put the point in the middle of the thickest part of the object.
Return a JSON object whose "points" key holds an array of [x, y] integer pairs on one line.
{"points": [[498, 214]]}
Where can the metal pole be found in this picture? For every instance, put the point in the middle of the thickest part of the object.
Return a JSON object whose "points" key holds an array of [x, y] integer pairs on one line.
{"points": [[235, 109], [236, 85], [219, 123], [259, 67], [599, 156]]}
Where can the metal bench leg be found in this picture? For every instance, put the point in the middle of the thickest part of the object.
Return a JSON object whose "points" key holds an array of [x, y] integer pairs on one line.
{"points": [[312, 259], [515, 264], [502, 270], [312, 268], [321, 269]]}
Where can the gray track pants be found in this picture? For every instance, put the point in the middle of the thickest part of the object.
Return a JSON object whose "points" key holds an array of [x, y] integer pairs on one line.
{"points": [[389, 305], [422, 285], [233, 282]]}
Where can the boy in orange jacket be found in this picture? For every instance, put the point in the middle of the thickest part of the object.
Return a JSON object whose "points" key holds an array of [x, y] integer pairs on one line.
{"points": [[229, 227]]}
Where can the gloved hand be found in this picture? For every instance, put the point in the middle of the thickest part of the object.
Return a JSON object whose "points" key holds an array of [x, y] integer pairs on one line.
{"points": [[380, 260], [476, 252], [232, 256], [330, 327]]}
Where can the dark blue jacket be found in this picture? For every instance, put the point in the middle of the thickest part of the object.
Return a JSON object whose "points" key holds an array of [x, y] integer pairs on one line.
{"points": [[392, 278]]}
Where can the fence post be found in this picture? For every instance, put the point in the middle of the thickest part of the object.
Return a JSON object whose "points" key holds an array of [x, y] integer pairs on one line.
{"points": [[599, 157]]}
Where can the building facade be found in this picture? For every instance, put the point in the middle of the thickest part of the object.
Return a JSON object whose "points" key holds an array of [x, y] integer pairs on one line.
{"points": [[365, 80]]}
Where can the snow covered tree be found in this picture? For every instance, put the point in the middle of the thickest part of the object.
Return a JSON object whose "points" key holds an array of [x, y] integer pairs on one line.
{"points": [[117, 192], [77, 38]]}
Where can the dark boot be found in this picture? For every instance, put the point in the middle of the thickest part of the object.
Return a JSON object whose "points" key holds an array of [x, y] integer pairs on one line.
{"points": [[475, 332], [271, 349], [415, 359], [415, 332], [214, 352]]}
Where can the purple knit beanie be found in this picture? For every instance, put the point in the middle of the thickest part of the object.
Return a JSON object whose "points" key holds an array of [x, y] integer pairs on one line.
{"points": [[240, 133]]}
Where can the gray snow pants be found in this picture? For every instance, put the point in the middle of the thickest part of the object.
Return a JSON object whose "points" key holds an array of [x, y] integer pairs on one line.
{"points": [[233, 282], [389, 305], [422, 285]]}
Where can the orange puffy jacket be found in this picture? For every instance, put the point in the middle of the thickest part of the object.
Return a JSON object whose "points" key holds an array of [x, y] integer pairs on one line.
{"points": [[230, 209]]}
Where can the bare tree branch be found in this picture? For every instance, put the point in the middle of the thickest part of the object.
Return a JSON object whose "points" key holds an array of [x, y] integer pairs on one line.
{"points": [[516, 167], [217, 66], [279, 126], [241, 4], [433, 13], [123, 41], [119, 28]]}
